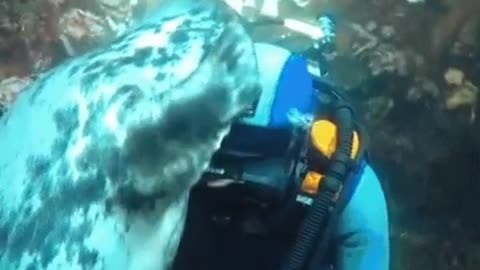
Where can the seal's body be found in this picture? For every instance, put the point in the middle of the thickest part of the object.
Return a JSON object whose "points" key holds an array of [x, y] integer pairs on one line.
{"points": [[98, 155]]}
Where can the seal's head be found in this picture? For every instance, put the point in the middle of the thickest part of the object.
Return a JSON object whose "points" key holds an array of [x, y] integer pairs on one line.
{"points": [[208, 75]]}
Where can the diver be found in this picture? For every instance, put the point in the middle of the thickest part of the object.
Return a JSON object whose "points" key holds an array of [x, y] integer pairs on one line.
{"points": [[247, 212]]}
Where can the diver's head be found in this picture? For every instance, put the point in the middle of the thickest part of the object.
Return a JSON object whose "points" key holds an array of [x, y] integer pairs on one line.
{"points": [[255, 157], [287, 87], [287, 95]]}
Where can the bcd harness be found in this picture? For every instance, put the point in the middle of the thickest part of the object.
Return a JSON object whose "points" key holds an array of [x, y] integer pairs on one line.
{"points": [[312, 169], [334, 141]]}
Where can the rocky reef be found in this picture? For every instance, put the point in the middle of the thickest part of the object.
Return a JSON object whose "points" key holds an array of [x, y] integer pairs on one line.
{"points": [[411, 67]]}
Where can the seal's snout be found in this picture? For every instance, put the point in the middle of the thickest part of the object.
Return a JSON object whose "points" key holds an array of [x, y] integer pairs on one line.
{"points": [[236, 55]]}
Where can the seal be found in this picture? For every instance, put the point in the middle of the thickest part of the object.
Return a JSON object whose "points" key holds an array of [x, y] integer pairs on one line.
{"points": [[98, 155]]}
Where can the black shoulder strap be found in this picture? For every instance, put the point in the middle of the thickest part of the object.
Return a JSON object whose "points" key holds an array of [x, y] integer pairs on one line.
{"points": [[313, 228], [314, 234]]}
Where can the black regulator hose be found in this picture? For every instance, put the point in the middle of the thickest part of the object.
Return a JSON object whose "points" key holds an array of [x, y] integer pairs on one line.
{"points": [[312, 239]]}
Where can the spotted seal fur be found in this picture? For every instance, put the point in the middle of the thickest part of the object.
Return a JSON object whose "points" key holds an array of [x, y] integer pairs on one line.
{"points": [[98, 155]]}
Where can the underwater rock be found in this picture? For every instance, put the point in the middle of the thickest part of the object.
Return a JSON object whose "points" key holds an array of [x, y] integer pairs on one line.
{"points": [[462, 92], [99, 153], [454, 77], [463, 96], [421, 89], [9, 89], [459, 14], [78, 29], [28, 37], [378, 109]]}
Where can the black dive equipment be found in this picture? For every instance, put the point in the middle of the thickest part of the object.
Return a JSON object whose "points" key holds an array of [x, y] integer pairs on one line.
{"points": [[266, 172]]}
